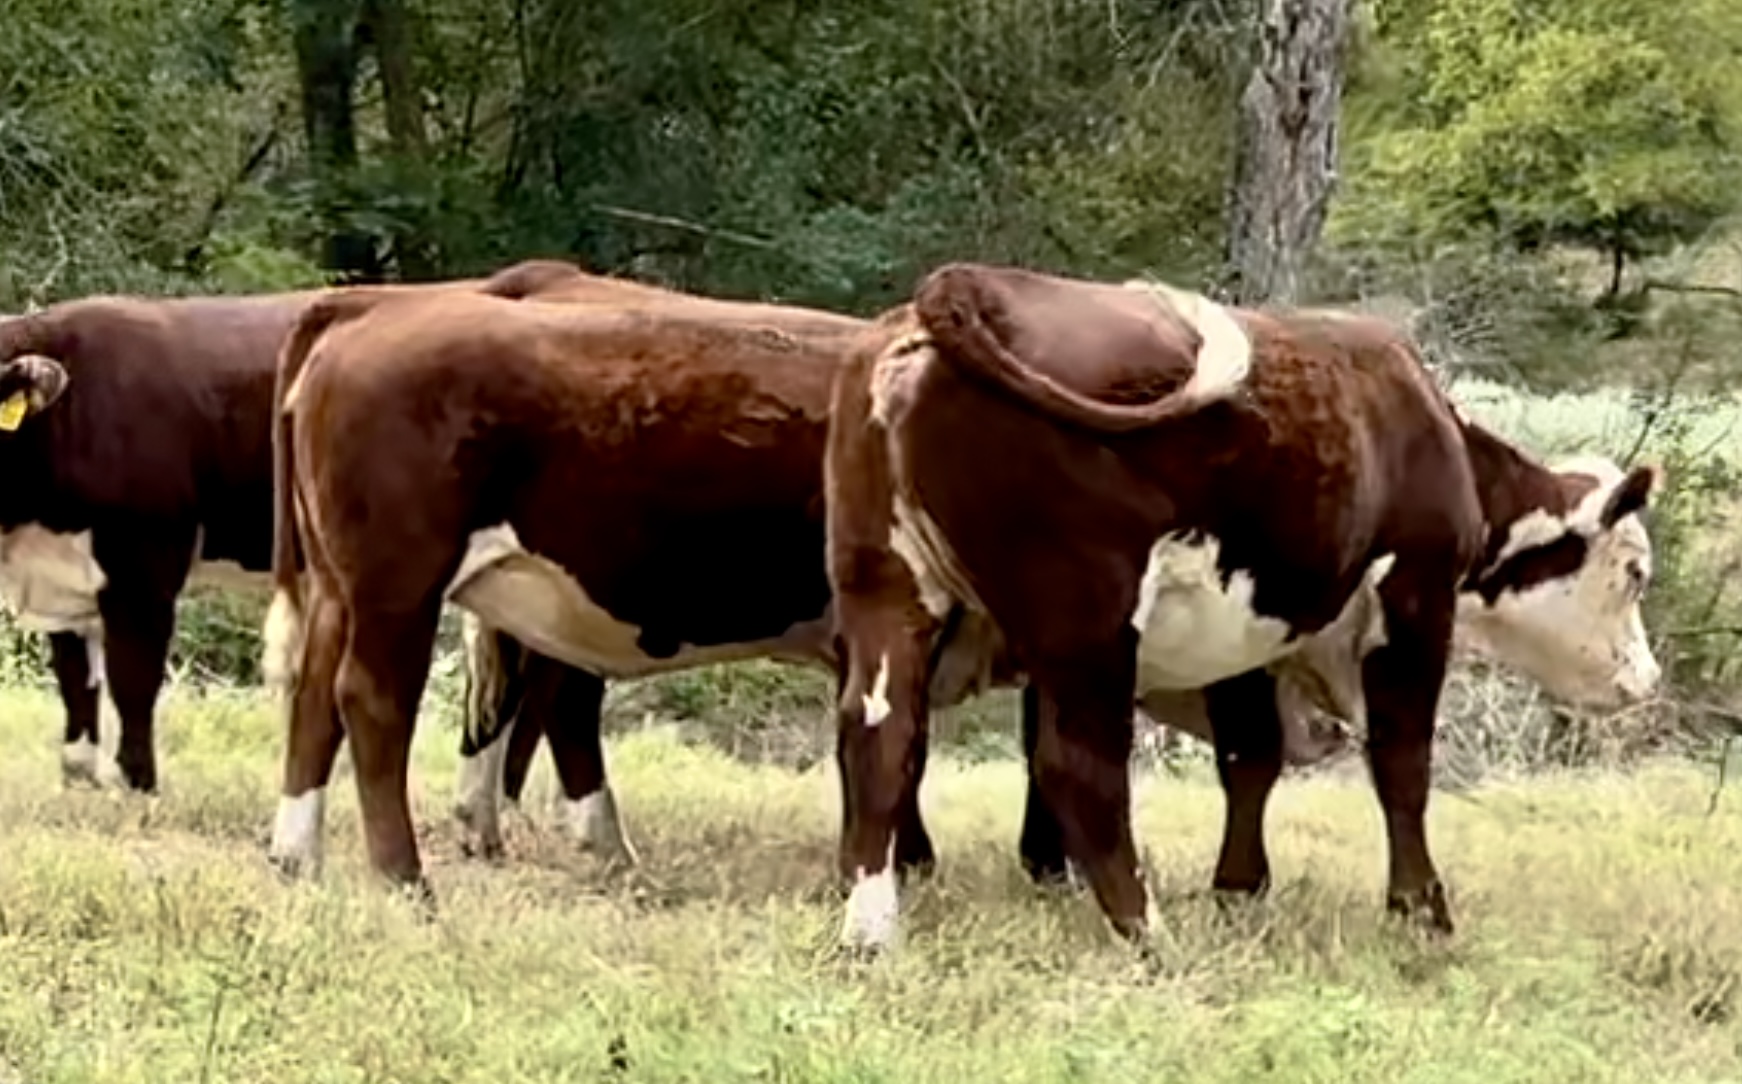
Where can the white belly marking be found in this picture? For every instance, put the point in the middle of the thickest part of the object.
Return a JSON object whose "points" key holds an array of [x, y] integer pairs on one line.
{"points": [[1192, 630], [537, 602]]}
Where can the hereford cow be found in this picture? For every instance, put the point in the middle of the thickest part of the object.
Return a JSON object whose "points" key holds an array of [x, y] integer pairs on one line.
{"points": [[138, 443], [624, 489], [137, 436], [1144, 493]]}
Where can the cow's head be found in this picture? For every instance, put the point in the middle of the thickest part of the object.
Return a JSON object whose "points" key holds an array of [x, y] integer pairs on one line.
{"points": [[29, 384], [1560, 601]]}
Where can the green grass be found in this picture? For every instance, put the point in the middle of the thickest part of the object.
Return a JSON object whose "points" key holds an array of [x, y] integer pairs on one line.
{"points": [[144, 940]]}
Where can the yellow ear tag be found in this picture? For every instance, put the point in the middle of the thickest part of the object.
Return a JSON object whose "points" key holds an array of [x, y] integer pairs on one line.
{"points": [[12, 411]]}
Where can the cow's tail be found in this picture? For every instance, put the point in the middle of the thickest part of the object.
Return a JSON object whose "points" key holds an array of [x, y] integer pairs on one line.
{"points": [[950, 306], [284, 621]]}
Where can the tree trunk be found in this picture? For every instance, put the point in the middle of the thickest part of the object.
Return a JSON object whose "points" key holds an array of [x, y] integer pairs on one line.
{"points": [[1286, 161], [323, 34], [385, 23]]}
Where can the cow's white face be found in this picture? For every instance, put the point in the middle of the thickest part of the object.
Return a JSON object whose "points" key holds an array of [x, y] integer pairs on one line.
{"points": [[1567, 614]]}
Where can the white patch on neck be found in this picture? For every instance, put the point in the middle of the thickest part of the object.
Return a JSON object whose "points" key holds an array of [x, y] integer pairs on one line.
{"points": [[1225, 353], [593, 823], [296, 831], [874, 907], [877, 700], [537, 602]]}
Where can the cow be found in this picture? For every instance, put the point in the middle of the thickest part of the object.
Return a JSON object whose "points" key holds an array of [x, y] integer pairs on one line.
{"points": [[621, 488], [138, 444], [137, 435], [1142, 492]]}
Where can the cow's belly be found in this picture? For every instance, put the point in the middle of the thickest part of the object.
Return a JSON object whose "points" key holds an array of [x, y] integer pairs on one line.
{"points": [[1194, 631], [50, 580], [537, 602]]}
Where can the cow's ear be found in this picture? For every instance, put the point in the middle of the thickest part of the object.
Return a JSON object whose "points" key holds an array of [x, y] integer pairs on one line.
{"points": [[1632, 495], [29, 385]]}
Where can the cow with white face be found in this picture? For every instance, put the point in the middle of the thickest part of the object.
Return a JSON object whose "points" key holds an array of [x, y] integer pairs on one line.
{"points": [[1559, 597]]}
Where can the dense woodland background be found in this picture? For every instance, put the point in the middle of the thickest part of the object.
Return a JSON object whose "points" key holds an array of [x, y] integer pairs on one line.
{"points": [[1546, 191]]}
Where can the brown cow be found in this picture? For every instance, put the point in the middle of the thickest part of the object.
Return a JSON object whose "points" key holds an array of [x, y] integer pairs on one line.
{"points": [[139, 456], [1143, 493], [141, 461], [625, 489]]}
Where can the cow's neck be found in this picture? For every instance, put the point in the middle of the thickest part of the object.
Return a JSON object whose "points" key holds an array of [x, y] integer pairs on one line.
{"points": [[1510, 485]]}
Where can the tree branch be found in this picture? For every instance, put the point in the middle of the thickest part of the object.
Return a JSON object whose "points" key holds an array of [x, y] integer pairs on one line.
{"points": [[1690, 288]]}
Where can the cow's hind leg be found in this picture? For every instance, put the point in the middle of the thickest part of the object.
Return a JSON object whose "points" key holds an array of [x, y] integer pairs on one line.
{"points": [[380, 680], [312, 740], [1402, 680], [1249, 744], [881, 718], [566, 704], [1081, 765], [77, 664]]}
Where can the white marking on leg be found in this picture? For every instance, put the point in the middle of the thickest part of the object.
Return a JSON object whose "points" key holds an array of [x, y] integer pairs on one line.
{"points": [[593, 823], [97, 673], [877, 700], [79, 761], [874, 907], [479, 788], [296, 832]]}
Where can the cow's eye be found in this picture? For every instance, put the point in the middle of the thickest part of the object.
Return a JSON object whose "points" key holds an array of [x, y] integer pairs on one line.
{"points": [[1638, 579]]}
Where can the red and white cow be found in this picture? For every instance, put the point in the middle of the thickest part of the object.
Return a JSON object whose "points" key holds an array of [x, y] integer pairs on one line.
{"points": [[1145, 493]]}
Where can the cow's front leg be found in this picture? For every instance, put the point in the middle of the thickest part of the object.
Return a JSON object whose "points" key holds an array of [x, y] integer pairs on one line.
{"points": [[1042, 844], [882, 718], [78, 674], [1402, 681], [312, 739], [138, 622], [1249, 750], [566, 704]]}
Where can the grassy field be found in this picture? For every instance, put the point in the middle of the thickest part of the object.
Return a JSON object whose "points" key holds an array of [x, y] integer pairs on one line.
{"points": [[145, 940]]}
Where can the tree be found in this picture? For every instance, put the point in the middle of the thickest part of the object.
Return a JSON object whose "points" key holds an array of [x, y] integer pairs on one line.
{"points": [[324, 35], [1286, 159], [1613, 125]]}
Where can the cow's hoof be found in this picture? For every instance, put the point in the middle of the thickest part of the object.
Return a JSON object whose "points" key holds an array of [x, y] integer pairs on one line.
{"points": [[593, 823], [291, 868], [480, 835], [81, 765], [1425, 910], [873, 913]]}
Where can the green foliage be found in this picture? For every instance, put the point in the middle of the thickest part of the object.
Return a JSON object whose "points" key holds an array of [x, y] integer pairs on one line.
{"points": [[1613, 124]]}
